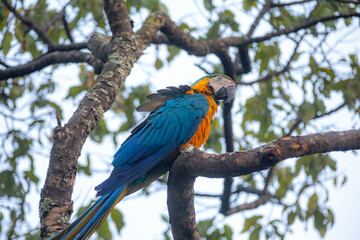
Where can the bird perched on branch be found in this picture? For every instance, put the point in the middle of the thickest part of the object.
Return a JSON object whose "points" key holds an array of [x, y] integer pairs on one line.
{"points": [[179, 117]]}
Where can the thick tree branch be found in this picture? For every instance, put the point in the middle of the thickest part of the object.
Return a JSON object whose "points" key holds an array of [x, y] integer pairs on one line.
{"points": [[183, 223], [50, 59], [56, 203], [190, 165], [98, 44], [67, 47]]}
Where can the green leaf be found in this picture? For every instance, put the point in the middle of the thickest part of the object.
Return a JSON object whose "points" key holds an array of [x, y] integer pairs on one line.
{"points": [[313, 203], [204, 225], [227, 17], [99, 132], [104, 231], [208, 4], [331, 163], [158, 64], [248, 4], [74, 91], [330, 217], [85, 168], [213, 32], [291, 217], [249, 222], [255, 234], [19, 31], [344, 180], [7, 184], [117, 217], [30, 175], [173, 52], [319, 223], [6, 42], [228, 232], [307, 111], [215, 235]]}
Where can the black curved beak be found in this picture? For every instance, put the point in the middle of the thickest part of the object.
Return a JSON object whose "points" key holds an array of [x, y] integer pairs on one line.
{"points": [[227, 94]]}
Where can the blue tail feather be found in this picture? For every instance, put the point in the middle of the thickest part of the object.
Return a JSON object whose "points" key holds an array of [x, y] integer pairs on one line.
{"points": [[84, 226]]}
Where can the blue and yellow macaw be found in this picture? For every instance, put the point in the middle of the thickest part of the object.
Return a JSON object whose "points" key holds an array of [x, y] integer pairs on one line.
{"points": [[179, 117]]}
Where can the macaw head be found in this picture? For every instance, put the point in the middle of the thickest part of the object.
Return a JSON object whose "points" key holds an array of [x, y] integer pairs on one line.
{"points": [[221, 86]]}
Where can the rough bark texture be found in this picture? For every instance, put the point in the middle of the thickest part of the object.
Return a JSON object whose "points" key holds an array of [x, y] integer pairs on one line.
{"points": [[56, 203], [183, 223], [195, 163]]}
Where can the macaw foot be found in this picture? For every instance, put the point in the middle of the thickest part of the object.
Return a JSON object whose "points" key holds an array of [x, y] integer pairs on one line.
{"points": [[189, 148]]}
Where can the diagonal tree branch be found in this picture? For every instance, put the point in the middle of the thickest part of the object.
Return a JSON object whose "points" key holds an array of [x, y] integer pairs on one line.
{"points": [[264, 198], [29, 23], [258, 18], [56, 203], [285, 69], [56, 17], [192, 164], [299, 117]]}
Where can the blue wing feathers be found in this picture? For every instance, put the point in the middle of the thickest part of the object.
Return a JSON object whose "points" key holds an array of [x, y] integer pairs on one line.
{"points": [[164, 131]]}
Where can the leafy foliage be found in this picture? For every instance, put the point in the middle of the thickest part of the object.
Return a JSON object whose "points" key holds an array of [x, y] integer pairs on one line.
{"points": [[300, 91]]}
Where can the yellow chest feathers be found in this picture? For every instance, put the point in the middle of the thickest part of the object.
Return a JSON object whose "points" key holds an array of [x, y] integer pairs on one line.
{"points": [[203, 132]]}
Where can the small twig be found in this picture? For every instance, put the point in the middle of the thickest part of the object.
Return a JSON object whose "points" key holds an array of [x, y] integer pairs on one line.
{"points": [[311, 14], [280, 5], [207, 195], [202, 68], [67, 29], [56, 18], [285, 69], [251, 190], [298, 119], [261, 14], [247, 206], [58, 119], [268, 179]]}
